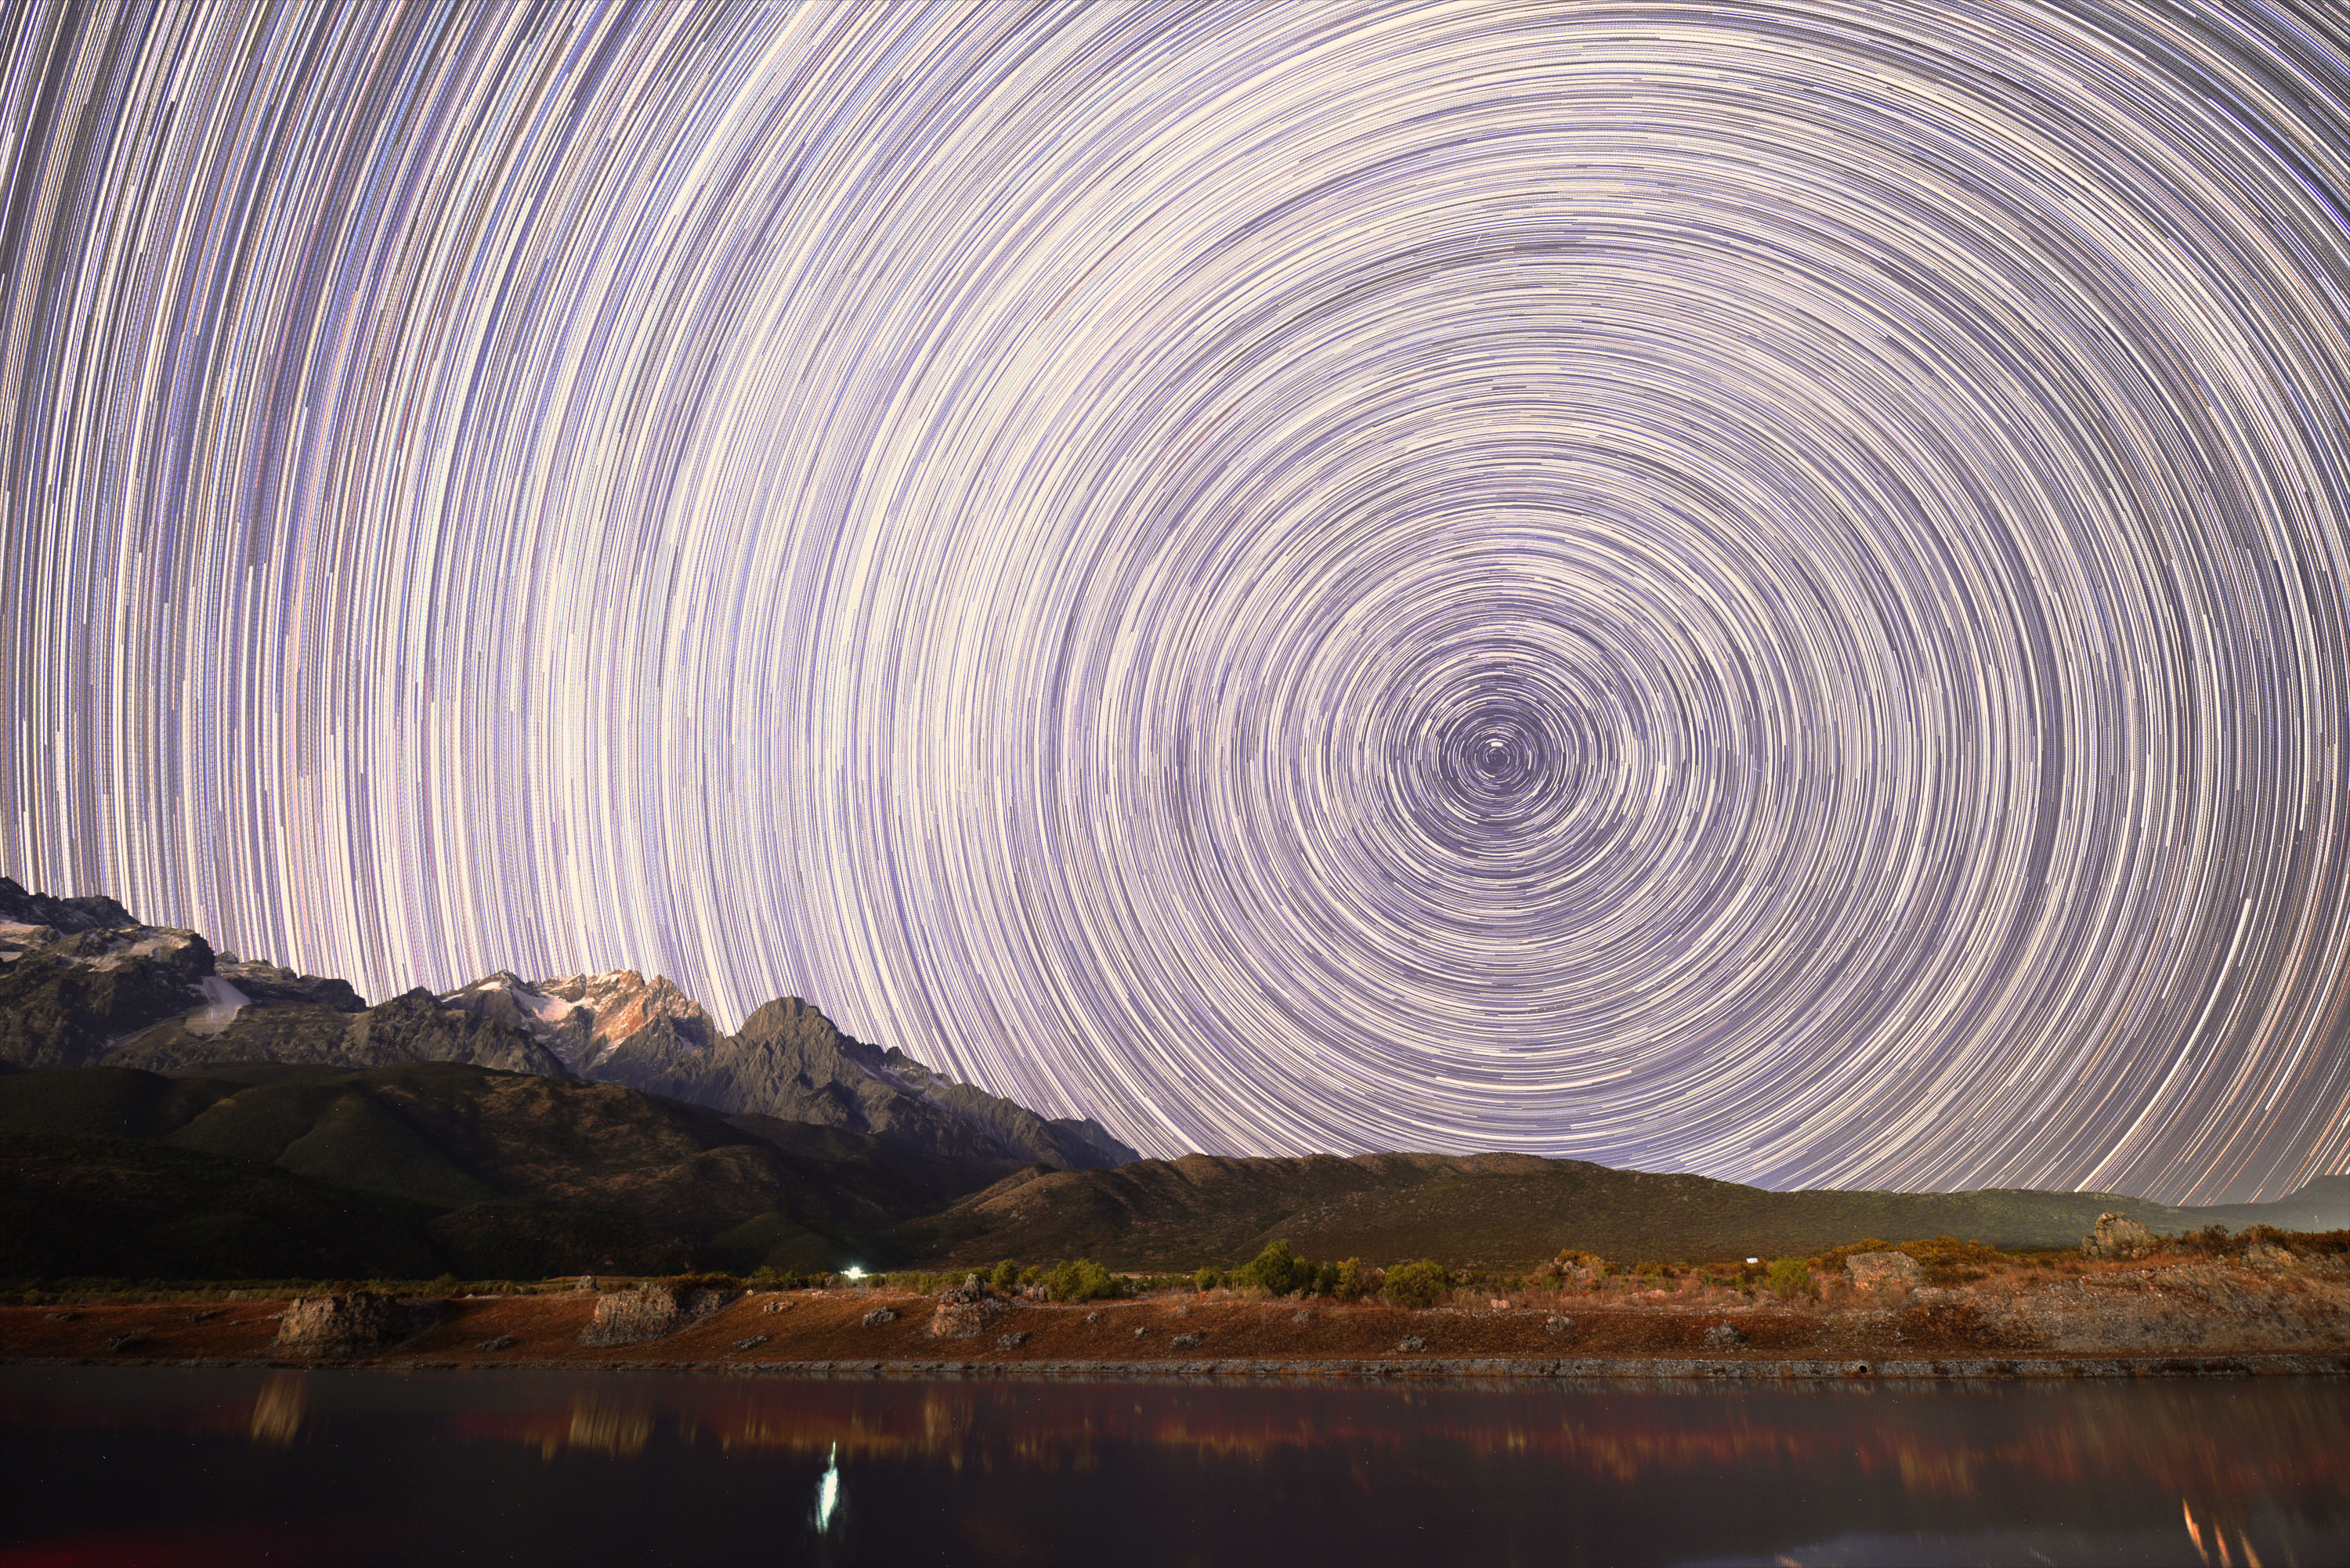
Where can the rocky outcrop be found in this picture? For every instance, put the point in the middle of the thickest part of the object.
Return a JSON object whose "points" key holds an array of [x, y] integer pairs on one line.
{"points": [[653, 1310], [1884, 1270], [2207, 1305], [60, 917], [963, 1313], [790, 1062], [263, 982], [355, 1324], [2118, 1236]]}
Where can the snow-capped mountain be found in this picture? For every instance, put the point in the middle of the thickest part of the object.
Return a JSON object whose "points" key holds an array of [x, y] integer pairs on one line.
{"points": [[618, 1027]]}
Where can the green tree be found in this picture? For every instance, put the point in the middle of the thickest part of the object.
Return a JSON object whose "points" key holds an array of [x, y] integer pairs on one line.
{"points": [[1208, 1279], [1417, 1285], [1007, 1277], [1277, 1269], [1355, 1279]]}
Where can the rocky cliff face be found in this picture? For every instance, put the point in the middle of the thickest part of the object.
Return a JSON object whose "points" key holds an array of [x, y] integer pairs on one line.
{"points": [[617, 1027], [792, 1063], [84, 982]]}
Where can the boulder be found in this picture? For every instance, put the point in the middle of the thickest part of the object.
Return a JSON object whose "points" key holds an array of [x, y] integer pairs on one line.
{"points": [[1884, 1270], [2118, 1236], [1724, 1336], [353, 1324], [649, 1311]]}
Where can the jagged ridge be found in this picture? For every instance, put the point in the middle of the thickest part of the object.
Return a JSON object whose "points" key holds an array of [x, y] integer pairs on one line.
{"points": [[82, 982]]}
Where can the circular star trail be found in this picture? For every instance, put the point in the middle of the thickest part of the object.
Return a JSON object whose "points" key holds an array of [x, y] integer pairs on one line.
{"points": [[1756, 589]]}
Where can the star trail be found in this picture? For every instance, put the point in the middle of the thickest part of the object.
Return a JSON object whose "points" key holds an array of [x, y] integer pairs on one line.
{"points": [[1746, 588]]}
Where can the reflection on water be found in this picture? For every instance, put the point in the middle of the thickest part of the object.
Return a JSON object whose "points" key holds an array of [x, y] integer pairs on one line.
{"points": [[618, 1422], [2240, 1474], [828, 1491], [278, 1408]]}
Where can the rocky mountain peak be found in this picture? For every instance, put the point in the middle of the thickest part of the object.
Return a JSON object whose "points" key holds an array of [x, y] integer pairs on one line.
{"points": [[617, 1026], [65, 916]]}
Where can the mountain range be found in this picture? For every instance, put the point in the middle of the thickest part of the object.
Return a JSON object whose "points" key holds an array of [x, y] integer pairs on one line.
{"points": [[169, 1112], [83, 982]]}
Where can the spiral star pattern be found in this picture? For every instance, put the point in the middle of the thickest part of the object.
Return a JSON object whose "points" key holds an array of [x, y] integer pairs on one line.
{"points": [[1750, 588]]}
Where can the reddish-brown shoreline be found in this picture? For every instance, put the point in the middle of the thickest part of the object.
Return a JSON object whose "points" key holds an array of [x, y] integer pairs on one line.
{"points": [[2168, 1318]]}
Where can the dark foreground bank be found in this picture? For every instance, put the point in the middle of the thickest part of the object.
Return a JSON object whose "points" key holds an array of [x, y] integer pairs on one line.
{"points": [[164, 1465]]}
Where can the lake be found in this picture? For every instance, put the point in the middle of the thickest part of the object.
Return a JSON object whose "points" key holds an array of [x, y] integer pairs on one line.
{"points": [[212, 1465]]}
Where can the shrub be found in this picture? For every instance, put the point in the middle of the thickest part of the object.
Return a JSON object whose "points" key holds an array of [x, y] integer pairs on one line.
{"points": [[1791, 1277], [1417, 1285], [1005, 1276], [1947, 1261], [1083, 1281], [689, 1284], [1355, 1279], [1325, 1281], [1277, 1270], [1207, 1279], [2216, 1239]]}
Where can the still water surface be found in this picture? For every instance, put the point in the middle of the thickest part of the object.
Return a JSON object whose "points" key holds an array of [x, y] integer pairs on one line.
{"points": [[173, 1466]]}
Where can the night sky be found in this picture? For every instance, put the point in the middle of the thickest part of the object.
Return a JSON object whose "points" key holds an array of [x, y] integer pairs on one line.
{"points": [[1744, 589]]}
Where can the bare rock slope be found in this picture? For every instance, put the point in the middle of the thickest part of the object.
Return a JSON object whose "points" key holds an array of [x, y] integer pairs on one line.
{"points": [[792, 1063]]}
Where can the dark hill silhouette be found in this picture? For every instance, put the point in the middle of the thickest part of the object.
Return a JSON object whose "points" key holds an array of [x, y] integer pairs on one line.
{"points": [[1506, 1208]]}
